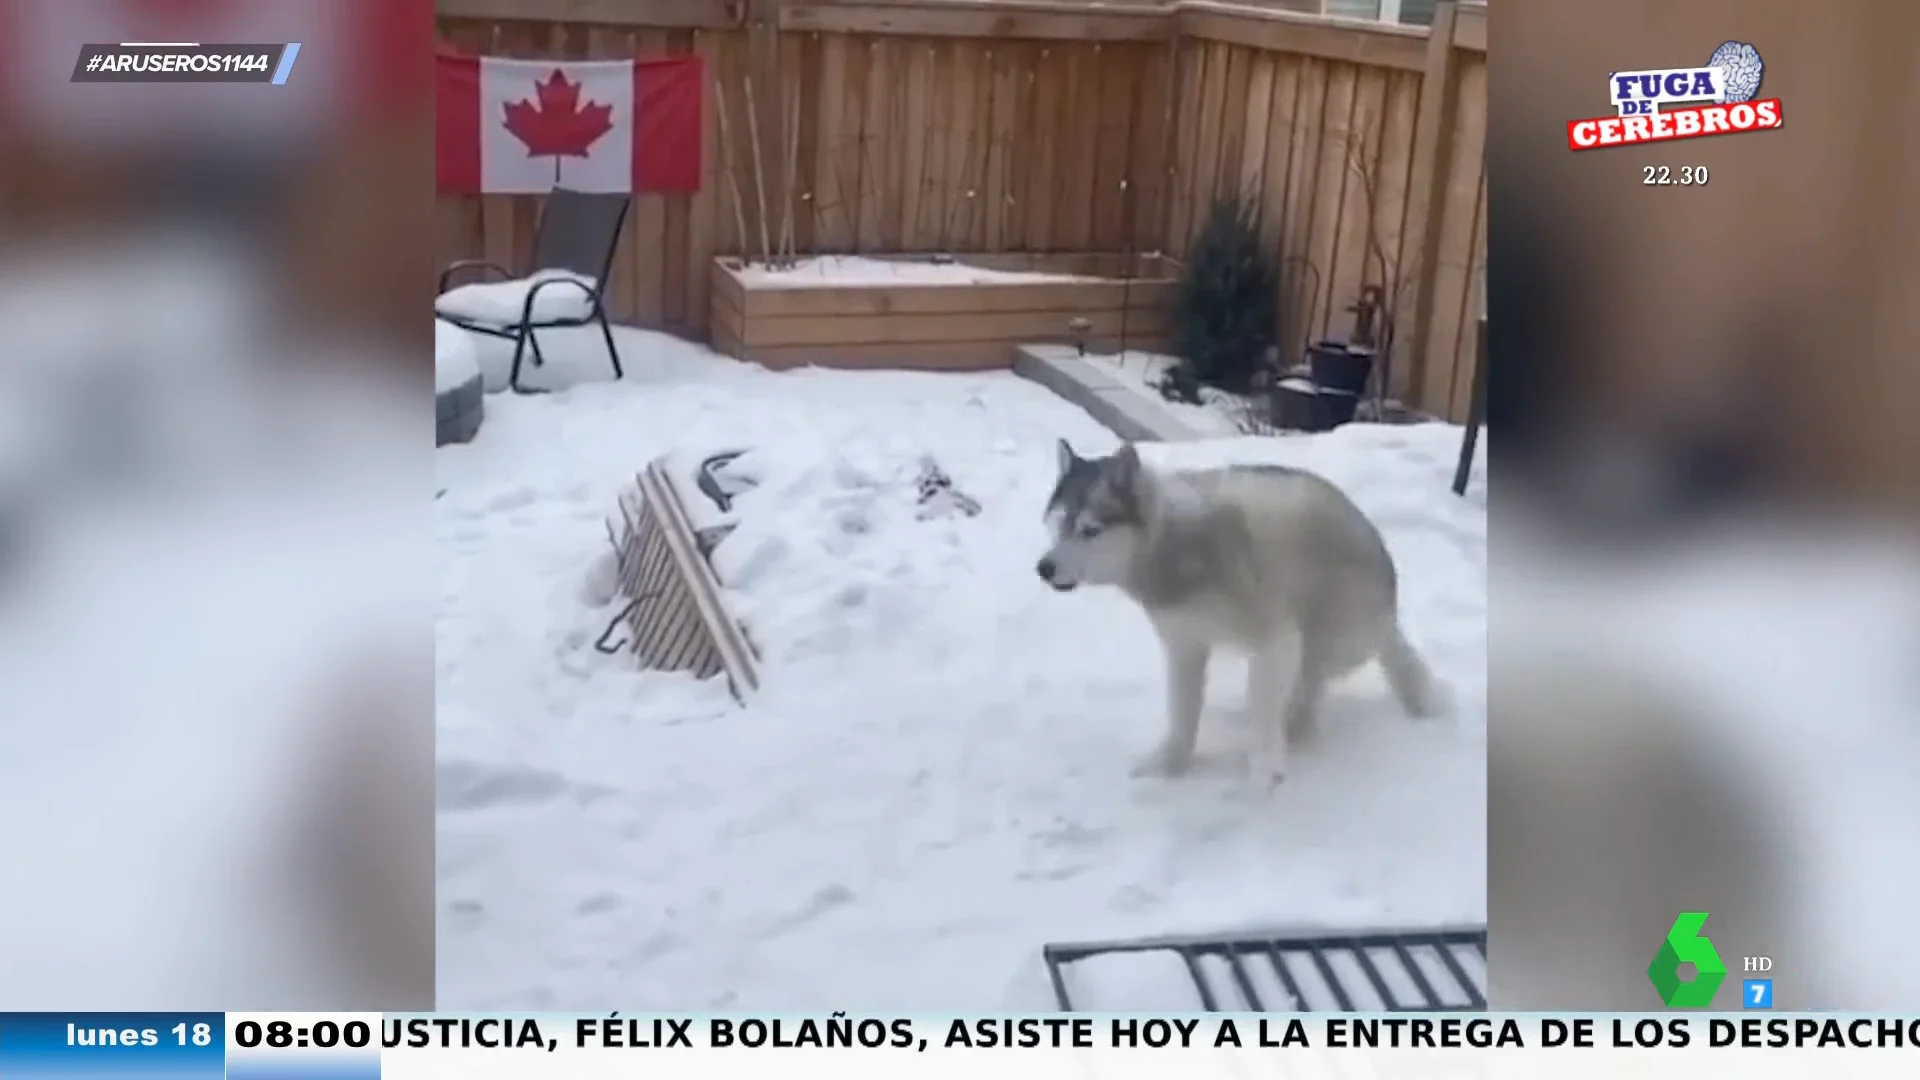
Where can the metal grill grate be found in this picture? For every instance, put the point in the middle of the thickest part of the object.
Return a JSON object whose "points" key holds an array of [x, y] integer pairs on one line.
{"points": [[668, 634], [675, 617], [1411, 971]]}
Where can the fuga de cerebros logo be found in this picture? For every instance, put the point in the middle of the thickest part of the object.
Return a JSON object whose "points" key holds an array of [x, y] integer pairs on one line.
{"points": [[1721, 97]]}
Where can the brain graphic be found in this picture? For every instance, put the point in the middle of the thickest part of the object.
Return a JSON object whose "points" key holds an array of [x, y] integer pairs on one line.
{"points": [[1742, 62]]}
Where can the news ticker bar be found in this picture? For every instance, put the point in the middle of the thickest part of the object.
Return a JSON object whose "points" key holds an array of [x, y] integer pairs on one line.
{"points": [[369, 1046], [185, 62]]}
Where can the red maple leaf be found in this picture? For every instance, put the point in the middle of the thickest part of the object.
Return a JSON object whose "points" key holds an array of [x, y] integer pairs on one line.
{"points": [[559, 126]]}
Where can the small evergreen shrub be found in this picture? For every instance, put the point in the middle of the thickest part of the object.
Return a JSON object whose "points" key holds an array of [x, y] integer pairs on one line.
{"points": [[1227, 306]]}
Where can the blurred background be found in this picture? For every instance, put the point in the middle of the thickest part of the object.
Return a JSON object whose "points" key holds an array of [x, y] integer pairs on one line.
{"points": [[216, 695], [1705, 673]]}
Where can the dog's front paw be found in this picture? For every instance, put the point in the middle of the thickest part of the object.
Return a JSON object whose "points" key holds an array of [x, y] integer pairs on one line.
{"points": [[1164, 761]]}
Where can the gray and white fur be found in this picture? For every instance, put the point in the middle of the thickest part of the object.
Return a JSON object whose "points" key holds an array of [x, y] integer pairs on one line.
{"points": [[1270, 561]]}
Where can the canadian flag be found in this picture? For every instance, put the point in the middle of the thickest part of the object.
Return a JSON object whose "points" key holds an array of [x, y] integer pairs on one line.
{"points": [[524, 127]]}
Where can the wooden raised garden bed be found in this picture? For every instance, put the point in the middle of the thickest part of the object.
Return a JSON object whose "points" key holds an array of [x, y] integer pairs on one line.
{"points": [[854, 313]]}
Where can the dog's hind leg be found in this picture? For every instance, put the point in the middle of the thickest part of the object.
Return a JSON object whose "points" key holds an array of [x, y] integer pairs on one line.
{"points": [[1301, 714], [1186, 694], [1276, 678]]}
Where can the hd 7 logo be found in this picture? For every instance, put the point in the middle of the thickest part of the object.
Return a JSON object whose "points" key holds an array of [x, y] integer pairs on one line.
{"points": [[1662, 104]]}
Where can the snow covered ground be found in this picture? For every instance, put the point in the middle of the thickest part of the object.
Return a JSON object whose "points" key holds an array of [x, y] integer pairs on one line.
{"points": [[934, 781]]}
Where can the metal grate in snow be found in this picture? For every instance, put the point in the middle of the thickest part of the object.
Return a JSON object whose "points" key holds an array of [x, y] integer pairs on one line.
{"points": [[1382, 971], [675, 618]]}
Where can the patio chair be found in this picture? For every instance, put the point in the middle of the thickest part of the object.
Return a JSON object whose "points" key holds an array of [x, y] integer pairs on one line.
{"points": [[572, 258], [1476, 410]]}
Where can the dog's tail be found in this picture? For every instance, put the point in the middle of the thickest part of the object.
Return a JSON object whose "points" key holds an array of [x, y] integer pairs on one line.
{"points": [[1420, 692]]}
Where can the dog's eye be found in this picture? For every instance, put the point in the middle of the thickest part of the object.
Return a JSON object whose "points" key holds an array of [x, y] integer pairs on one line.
{"points": [[1088, 530]]}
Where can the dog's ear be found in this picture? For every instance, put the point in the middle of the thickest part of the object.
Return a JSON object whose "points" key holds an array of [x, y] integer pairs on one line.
{"points": [[1067, 457], [1125, 468]]}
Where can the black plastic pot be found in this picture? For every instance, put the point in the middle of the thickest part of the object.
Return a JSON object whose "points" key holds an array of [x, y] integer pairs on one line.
{"points": [[1340, 366], [1337, 406], [1295, 406]]}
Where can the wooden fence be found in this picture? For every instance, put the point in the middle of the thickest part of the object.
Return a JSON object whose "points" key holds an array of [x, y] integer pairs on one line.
{"points": [[1048, 125]]}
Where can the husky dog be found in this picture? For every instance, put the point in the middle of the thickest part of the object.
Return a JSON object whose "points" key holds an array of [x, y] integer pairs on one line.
{"points": [[1271, 561]]}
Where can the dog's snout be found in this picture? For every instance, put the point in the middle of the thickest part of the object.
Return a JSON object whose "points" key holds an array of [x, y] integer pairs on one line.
{"points": [[1045, 569]]}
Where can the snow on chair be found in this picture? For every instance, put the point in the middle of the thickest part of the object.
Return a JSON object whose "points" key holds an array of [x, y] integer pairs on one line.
{"points": [[562, 288], [675, 615]]}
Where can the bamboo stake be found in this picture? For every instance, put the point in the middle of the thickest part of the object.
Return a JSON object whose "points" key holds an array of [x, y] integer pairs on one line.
{"points": [[759, 172], [847, 200], [923, 205], [726, 150], [954, 205], [1166, 242], [792, 179], [1129, 206], [870, 168], [841, 202]]}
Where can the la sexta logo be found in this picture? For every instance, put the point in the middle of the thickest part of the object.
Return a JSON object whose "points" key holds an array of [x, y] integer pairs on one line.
{"points": [[1662, 104]]}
